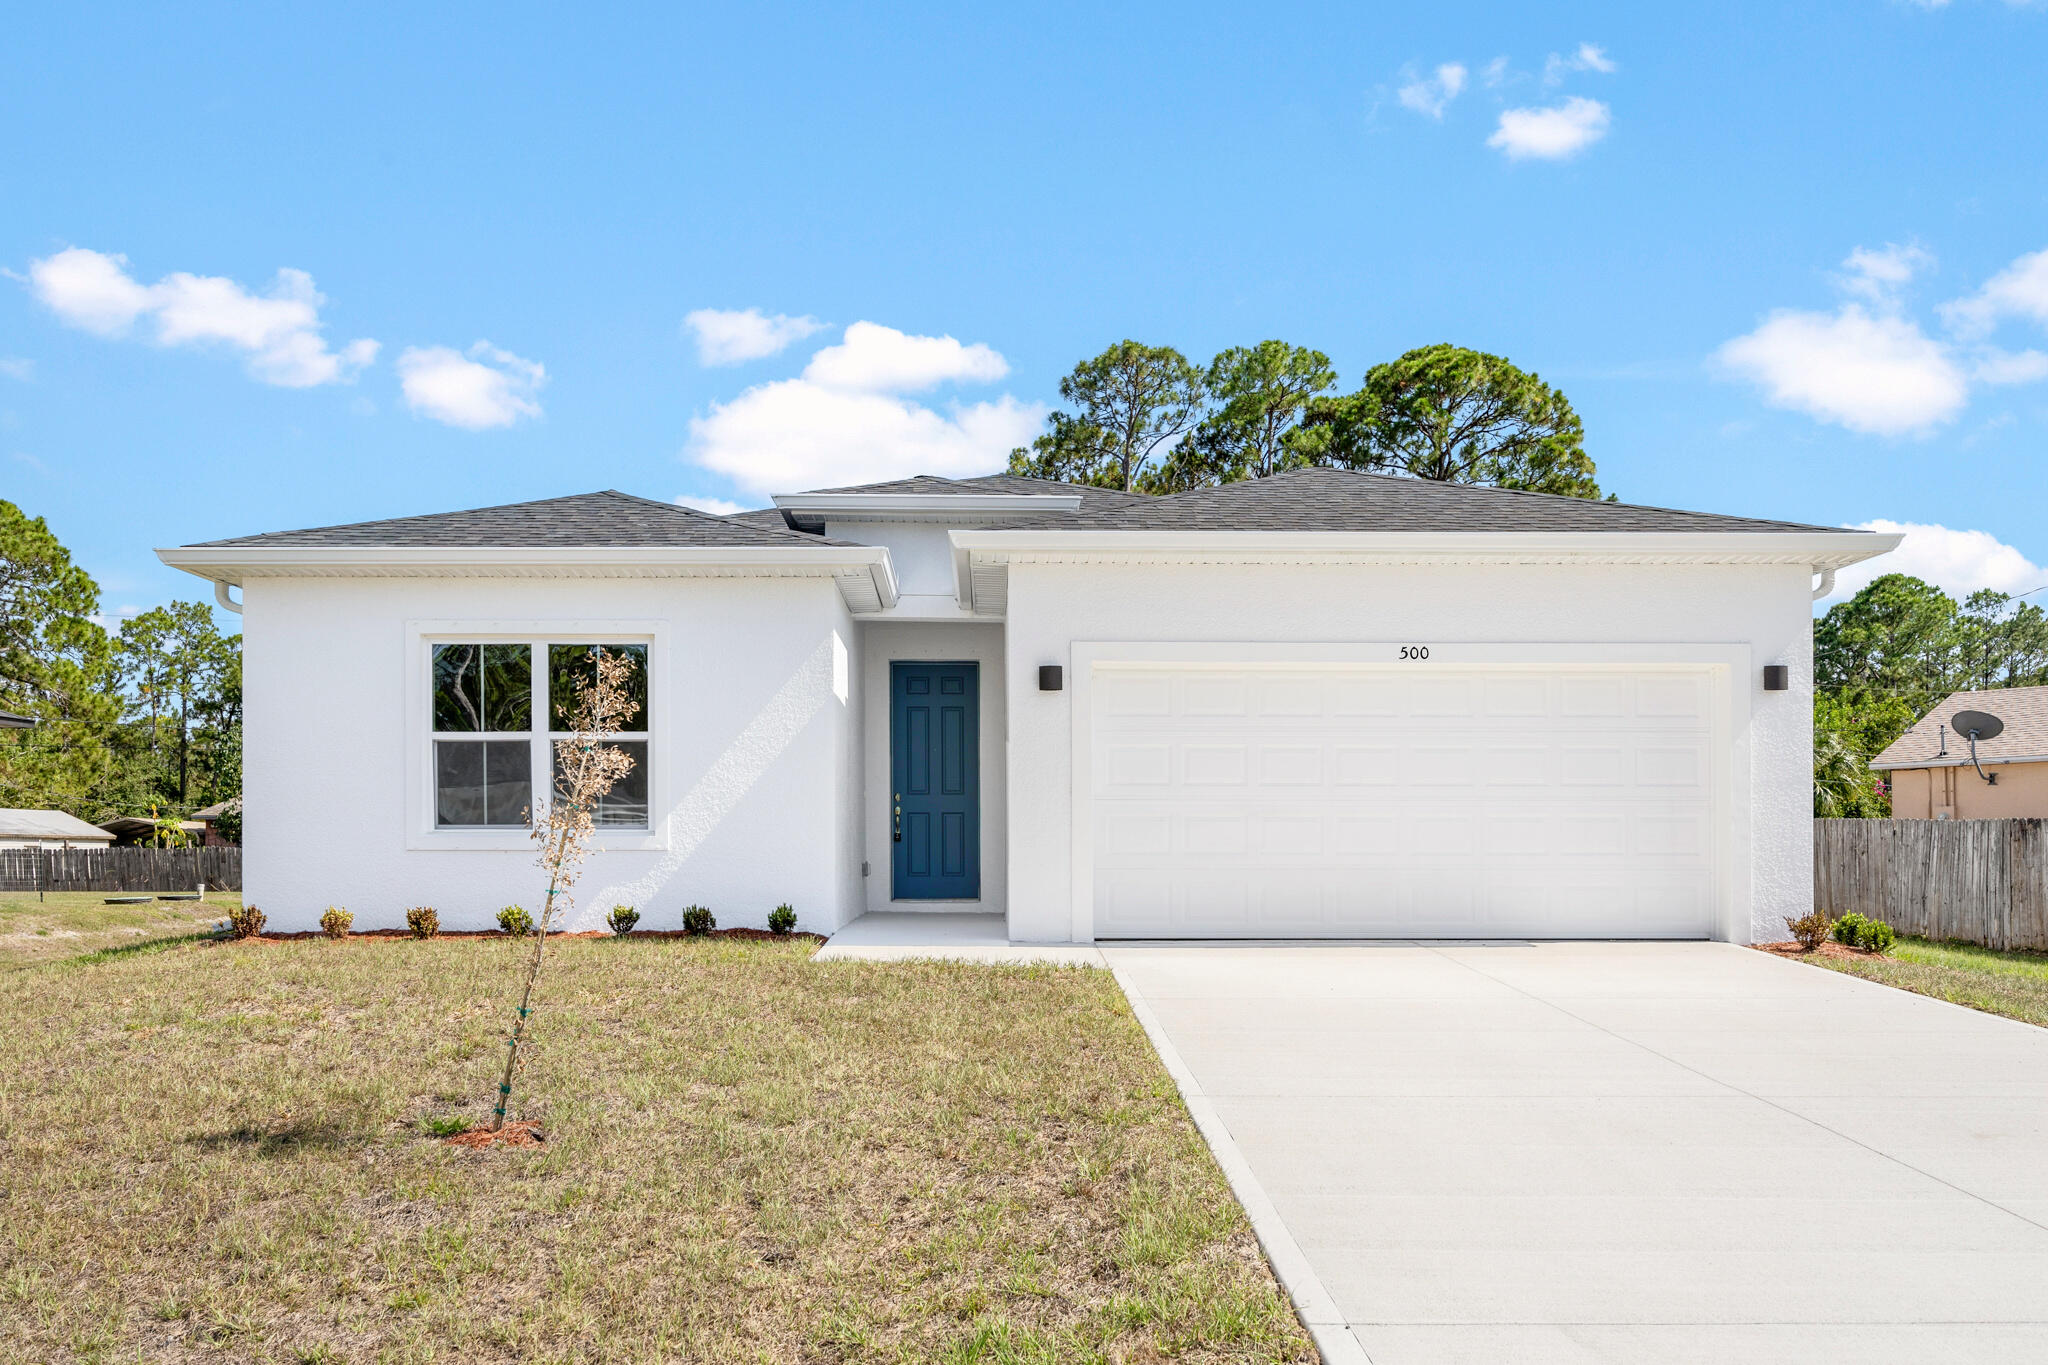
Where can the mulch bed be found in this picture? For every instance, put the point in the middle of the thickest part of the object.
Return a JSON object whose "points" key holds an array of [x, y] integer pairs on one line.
{"points": [[749, 935], [515, 1133], [1793, 948]]}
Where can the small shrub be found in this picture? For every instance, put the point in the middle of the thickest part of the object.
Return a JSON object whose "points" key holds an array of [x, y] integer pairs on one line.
{"points": [[1811, 929], [622, 919], [514, 920], [698, 921], [781, 919], [423, 922], [336, 921], [1871, 935], [445, 1125], [245, 922], [1847, 928]]}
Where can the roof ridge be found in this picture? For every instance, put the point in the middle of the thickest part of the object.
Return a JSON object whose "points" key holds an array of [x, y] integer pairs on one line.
{"points": [[1488, 488]]}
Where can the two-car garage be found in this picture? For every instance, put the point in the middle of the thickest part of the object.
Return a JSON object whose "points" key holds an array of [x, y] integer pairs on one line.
{"points": [[1400, 798]]}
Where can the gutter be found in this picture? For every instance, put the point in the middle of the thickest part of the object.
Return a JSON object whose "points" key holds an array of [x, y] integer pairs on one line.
{"points": [[1908, 764], [233, 565]]}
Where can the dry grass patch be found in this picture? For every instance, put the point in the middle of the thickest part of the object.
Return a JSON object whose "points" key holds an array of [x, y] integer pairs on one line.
{"points": [[67, 923], [232, 1152], [2014, 984]]}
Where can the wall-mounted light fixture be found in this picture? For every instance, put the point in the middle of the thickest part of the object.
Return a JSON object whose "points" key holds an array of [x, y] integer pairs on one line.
{"points": [[1777, 677], [1051, 677]]}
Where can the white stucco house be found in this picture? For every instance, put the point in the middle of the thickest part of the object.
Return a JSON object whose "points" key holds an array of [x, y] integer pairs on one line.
{"points": [[1322, 704]]}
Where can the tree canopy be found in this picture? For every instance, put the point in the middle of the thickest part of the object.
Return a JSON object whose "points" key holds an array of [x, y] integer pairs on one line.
{"points": [[1146, 419], [1127, 405], [1453, 415], [151, 717]]}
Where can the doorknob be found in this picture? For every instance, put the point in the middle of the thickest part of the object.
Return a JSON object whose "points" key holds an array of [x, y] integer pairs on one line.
{"points": [[899, 817]]}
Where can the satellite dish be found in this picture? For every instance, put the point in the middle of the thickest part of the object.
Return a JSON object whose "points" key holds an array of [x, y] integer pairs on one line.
{"points": [[1977, 724]]}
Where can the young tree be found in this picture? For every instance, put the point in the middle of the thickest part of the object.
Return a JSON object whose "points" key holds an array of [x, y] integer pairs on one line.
{"points": [[55, 665], [586, 770], [1129, 405], [1260, 394], [1456, 416]]}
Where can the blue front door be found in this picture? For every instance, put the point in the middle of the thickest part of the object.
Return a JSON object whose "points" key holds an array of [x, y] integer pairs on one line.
{"points": [[935, 782]]}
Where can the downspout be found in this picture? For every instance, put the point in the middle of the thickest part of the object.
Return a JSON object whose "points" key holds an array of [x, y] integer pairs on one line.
{"points": [[1827, 584], [220, 595]]}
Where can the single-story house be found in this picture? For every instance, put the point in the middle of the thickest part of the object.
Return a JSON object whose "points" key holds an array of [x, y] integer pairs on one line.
{"points": [[1933, 776], [1321, 704], [49, 829], [209, 818], [137, 830]]}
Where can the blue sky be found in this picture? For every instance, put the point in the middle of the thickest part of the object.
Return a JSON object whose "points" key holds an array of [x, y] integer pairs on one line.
{"points": [[1781, 258]]}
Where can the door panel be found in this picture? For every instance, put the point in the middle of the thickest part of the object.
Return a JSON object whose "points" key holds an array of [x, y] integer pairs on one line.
{"points": [[935, 776]]}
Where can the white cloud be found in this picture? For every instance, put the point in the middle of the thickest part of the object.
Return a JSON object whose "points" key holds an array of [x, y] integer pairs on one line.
{"points": [[1495, 71], [874, 358], [17, 367], [717, 507], [488, 387], [1432, 94], [1587, 58], [278, 330], [1870, 368], [2019, 290], [1880, 273], [730, 336], [2011, 367], [1868, 372], [1552, 133], [845, 419], [1957, 562]]}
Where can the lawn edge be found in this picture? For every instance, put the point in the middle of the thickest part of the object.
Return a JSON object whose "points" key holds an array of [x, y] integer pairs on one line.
{"points": [[1905, 990], [1317, 1311]]}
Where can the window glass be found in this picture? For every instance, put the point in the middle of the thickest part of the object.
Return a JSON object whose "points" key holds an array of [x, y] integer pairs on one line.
{"points": [[482, 687], [573, 666], [487, 783], [625, 806]]}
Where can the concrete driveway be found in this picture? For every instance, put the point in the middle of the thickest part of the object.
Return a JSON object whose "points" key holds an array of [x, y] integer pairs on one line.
{"points": [[1626, 1152]]}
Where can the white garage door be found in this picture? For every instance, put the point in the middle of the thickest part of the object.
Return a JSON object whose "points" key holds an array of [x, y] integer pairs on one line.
{"points": [[1432, 802]]}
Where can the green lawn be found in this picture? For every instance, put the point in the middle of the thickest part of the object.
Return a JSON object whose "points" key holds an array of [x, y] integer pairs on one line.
{"points": [[2012, 984], [222, 1151], [67, 923]]}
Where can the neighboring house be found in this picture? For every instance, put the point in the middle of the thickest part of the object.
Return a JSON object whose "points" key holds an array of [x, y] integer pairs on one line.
{"points": [[1322, 704], [208, 816], [49, 829], [1933, 777], [135, 830], [10, 721]]}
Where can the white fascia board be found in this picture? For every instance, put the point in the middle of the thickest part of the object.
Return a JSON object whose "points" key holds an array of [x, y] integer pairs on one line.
{"points": [[1953, 762], [233, 564], [925, 506], [1819, 549]]}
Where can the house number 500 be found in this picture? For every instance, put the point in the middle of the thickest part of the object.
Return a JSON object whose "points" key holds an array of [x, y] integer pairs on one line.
{"points": [[1415, 651]]}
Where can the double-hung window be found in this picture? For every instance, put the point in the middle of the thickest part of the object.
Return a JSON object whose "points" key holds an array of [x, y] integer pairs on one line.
{"points": [[498, 709]]}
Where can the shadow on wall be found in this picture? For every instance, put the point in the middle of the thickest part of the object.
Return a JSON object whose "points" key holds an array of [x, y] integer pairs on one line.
{"points": [[726, 783]]}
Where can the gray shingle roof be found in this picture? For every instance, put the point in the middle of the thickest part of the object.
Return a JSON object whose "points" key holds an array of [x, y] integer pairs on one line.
{"points": [[2023, 709], [1345, 500], [586, 519]]}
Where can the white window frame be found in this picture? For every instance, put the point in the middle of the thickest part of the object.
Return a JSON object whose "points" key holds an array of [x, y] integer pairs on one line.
{"points": [[421, 638]]}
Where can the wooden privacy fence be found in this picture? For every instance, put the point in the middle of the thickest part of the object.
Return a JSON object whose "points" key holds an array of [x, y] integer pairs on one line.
{"points": [[119, 869], [1980, 881]]}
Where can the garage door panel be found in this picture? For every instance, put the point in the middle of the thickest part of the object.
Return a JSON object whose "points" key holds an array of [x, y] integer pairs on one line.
{"points": [[1355, 801]]}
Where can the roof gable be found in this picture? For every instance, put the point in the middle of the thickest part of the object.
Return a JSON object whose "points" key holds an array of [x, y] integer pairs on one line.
{"points": [[608, 518], [2023, 709], [1348, 500]]}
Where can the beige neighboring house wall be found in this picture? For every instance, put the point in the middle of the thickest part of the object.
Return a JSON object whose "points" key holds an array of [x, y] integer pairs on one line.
{"points": [[49, 829], [1930, 770]]}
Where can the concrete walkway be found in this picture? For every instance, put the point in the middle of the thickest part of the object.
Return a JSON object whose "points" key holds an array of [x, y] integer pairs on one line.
{"points": [[1622, 1152], [904, 935]]}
